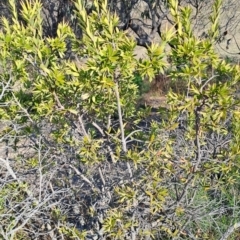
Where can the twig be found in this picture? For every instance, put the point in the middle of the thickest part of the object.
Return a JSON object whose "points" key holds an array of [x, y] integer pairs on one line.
{"points": [[4, 88], [124, 144], [83, 177], [208, 82], [58, 101], [130, 134], [82, 126], [9, 169], [230, 231], [98, 128], [109, 122], [111, 154], [101, 175], [24, 110]]}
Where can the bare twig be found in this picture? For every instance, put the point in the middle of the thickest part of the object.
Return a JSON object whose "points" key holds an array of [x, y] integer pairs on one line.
{"points": [[101, 175], [230, 231], [9, 168], [124, 144], [83, 177], [98, 128]]}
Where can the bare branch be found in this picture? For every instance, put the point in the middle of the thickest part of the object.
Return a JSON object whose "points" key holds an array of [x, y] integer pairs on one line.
{"points": [[230, 231]]}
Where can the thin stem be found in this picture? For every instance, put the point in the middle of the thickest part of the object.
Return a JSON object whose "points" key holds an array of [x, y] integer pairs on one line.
{"points": [[124, 143], [230, 231], [83, 177]]}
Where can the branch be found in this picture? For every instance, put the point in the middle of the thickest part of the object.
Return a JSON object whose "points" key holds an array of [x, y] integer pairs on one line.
{"points": [[4, 88], [98, 128], [197, 132], [101, 175], [9, 169], [144, 38], [23, 109], [124, 144], [83, 177], [130, 134], [230, 231], [208, 82], [83, 130], [59, 104]]}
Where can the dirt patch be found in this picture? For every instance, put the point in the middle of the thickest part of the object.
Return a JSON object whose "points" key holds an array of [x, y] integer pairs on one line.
{"points": [[153, 101], [155, 92]]}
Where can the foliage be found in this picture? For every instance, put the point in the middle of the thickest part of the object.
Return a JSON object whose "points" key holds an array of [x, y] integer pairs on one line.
{"points": [[79, 159]]}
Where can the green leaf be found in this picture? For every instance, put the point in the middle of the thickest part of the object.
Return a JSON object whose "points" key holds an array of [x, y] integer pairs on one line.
{"points": [[73, 111]]}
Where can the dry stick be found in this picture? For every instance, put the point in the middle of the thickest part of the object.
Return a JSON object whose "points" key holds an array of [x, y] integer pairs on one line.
{"points": [[103, 134], [111, 154], [31, 213], [133, 232], [109, 122], [208, 82], [82, 126], [9, 168], [4, 88], [61, 107], [230, 231], [130, 134], [83, 177], [40, 170], [98, 128], [23, 109], [101, 175], [197, 129], [124, 144], [84, 133]]}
